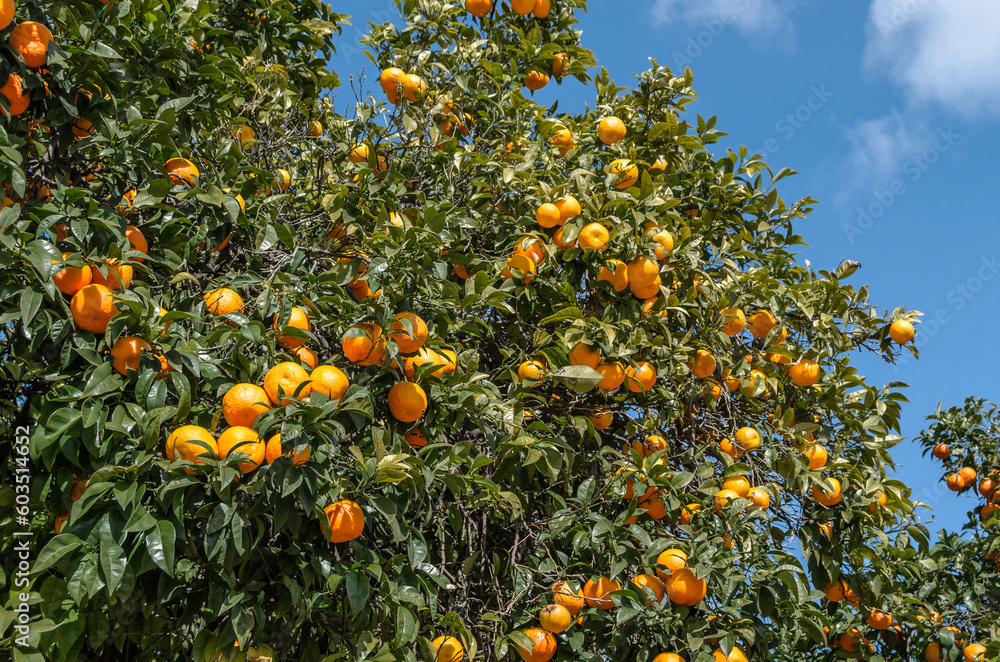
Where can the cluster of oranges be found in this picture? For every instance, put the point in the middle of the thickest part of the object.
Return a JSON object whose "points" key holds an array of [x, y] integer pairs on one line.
{"points": [[966, 477], [397, 84]]}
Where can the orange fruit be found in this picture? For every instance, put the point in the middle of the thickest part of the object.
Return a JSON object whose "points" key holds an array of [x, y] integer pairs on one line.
{"points": [[330, 381], [415, 438], [297, 319], [879, 620], [703, 364], [414, 87], [664, 244], [346, 520], [243, 403], [581, 354], [408, 342], [245, 443], [642, 377], [181, 170], [670, 561], [188, 442], [817, 456], [17, 98], [542, 8], [901, 332], [544, 647], [126, 352], [602, 419], [536, 80], [479, 8], [555, 618], [522, 263], [956, 483], [624, 173], [407, 402], [668, 657], [282, 179], [804, 373], [222, 301], [759, 498], [974, 652], [365, 349], [596, 592], [306, 355], [611, 130], [738, 484], [735, 655], [359, 153], [6, 13], [941, 451], [722, 499], [272, 451], [31, 39], [761, 323], [687, 512], [530, 247], [829, 497], [618, 278], [286, 377], [548, 215], [560, 61], [569, 207], [136, 240], [244, 134], [423, 357], [532, 370], [389, 80], [652, 583], [314, 129], [71, 280], [613, 374], [653, 504], [119, 276], [987, 487], [557, 239], [448, 649], [735, 321], [643, 272], [93, 306], [594, 236], [968, 474], [522, 7], [563, 594], [880, 499], [684, 588], [933, 652]]}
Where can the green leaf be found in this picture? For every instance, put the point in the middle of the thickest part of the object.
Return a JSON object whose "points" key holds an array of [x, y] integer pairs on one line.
{"points": [[55, 550], [160, 545], [358, 589], [580, 378], [570, 313]]}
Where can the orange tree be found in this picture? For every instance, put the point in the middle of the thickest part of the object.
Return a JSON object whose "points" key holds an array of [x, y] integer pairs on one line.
{"points": [[452, 376]]}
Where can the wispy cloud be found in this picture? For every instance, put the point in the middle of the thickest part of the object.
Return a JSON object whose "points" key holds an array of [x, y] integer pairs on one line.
{"points": [[939, 51], [749, 16], [879, 146]]}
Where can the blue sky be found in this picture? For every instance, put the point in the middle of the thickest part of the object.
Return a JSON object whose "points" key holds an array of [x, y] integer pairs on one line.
{"points": [[887, 109]]}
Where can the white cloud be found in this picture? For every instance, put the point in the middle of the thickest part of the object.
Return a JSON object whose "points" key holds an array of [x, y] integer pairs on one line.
{"points": [[756, 16], [942, 51], [878, 147]]}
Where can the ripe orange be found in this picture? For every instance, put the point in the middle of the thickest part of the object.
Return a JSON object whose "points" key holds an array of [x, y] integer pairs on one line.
{"points": [[684, 588], [601, 419], [407, 402], [71, 280], [838, 591], [557, 239], [532, 370], [119, 276], [560, 61], [703, 364], [564, 594], [569, 208], [542, 8], [346, 520], [664, 244], [804, 373], [829, 497], [618, 278], [901, 332], [412, 340], [522, 263], [522, 7], [581, 354], [761, 323], [613, 374], [188, 442], [365, 349], [282, 179], [594, 236], [330, 381], [968, 474], [738, 484], [31, 39], [611, 130], [536, 80], [286, 377], [314, 129], [359, 152], [974, 652], [93, 307], [222, 301], [272, 451], [389, 80], [668, 657], [414, 87], [956, 483], [245, 444], [243, 403], [759, 498], [642, 377], [544, 647], [687, 512], [244, 134], [596, 592], [670, 561], [643, 272], [653, 504], [548, 215], [987, 487], [136, 240], [479, 8], [126, 352], [448, 649], [555, 618], [531, 248], [181, 170], [941, 451], [297, 319], [735, 655], [879, 620], [6, 13], [879, 499], [933, 652], [624, 173], [18, 99], [817, 456], [735, 321], [650, 583], [306, 355], [722, 499]]}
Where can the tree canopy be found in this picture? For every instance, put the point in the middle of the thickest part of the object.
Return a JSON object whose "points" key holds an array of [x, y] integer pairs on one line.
{"points": [[446, 375]]}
